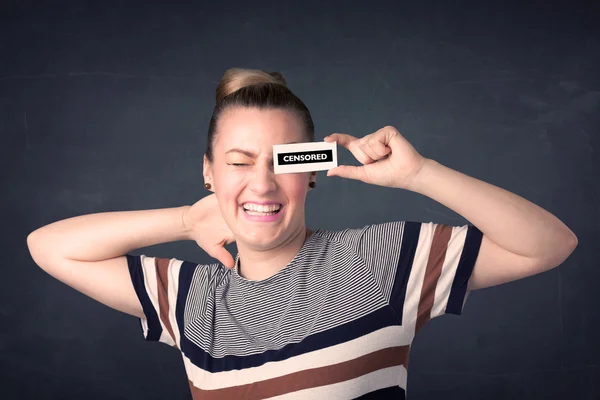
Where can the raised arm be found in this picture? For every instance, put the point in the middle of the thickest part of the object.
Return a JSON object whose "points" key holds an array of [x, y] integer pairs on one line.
{"points": [[87, 252]]}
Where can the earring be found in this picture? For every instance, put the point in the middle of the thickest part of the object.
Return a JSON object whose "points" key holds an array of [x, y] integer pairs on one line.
{"points": [[207, 185], [312, 184]]}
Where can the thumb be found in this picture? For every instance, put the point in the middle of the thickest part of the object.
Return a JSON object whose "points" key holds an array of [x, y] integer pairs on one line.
{"points": [[348, 171], [221, 254]]}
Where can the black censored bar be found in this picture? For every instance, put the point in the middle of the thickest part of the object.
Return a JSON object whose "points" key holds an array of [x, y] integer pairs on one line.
{"points": [[305, 157]]}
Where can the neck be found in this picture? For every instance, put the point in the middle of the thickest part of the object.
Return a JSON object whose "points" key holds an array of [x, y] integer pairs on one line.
{"points": [[258, 265]]}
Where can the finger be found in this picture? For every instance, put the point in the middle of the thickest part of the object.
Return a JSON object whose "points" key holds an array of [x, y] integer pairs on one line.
{"points": [[343, 139], [359, 153], [348, 171], [366, 148], [353, 144], [375, 148], [221, 254]]}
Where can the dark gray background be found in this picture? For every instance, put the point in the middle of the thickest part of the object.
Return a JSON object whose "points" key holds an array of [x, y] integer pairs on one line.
{"points": [[104, 106]]}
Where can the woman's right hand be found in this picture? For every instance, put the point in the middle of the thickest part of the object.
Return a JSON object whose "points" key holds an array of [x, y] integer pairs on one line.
{"points": [[208, 228]]}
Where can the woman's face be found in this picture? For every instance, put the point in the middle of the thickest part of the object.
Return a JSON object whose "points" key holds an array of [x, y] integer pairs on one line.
{"points": [[263, 210]]}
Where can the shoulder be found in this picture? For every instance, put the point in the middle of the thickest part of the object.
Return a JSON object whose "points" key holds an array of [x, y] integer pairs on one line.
{"points": [[356, 237], [356, 234], [213, 274], [346, 236]]}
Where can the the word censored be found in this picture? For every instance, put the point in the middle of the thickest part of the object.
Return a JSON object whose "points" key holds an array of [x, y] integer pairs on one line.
{"points": [[304, 157]]}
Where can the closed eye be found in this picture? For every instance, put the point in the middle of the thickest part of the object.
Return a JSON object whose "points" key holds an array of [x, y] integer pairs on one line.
{"points": [[237, 164]]}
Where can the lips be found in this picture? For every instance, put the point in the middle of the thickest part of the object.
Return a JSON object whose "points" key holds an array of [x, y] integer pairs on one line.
{"points": [[258, 216]]}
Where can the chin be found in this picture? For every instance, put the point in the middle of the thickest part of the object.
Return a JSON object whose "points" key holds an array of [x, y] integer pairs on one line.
{"points": [[265, 237]]}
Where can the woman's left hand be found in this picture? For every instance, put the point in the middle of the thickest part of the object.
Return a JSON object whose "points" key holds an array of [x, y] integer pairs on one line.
{"points": [[388, 158]]}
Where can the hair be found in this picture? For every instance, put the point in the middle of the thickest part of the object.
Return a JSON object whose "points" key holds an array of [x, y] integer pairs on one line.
{"points": [[256, 89]]}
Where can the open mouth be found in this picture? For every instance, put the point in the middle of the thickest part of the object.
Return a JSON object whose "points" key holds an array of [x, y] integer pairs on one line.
{"points": [[262, 210]]}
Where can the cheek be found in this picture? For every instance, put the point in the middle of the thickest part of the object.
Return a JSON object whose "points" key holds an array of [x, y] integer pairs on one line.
{"points": [[230, 185], [295, 188]]}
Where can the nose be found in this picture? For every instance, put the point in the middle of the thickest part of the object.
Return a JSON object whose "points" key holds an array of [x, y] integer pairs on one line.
{"points": [[263, 179]]}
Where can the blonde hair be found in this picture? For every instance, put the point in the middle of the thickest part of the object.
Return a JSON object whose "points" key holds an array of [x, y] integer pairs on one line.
{"points": [[254, 88], [235, 79]]}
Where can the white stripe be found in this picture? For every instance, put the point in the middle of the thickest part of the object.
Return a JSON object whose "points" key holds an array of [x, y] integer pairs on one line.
{"points": [[144, 323], [391, 336], [150, 283], [417, 276], [444, 285], [352, 388], [174, 268]]}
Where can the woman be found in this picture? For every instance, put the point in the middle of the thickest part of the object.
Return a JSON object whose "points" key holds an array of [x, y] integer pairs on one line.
{"points": [[299, 313]]}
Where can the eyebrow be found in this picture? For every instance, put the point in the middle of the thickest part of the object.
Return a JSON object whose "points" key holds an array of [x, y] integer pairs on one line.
{"points": [[248, 152]]}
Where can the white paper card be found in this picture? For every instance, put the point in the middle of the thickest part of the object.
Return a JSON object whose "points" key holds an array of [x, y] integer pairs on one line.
{"points": [[304, 157]]}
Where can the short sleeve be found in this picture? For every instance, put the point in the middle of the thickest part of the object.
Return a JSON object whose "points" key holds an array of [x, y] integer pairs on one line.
{"points": [[161, 285], [423, 269]]}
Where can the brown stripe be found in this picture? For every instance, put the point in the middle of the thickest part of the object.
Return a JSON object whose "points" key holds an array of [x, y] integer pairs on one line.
{"points": [[435, 262], [162, 282], [310, 378]]}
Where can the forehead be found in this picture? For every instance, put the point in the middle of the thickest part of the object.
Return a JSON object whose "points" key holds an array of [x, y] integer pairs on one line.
{"points": [[256, 129]]}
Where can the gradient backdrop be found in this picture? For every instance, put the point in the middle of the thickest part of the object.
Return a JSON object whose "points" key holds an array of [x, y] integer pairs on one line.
{"points": [[104, 106]]}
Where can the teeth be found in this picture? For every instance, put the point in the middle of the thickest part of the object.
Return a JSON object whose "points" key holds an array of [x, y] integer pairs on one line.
{"points": [[259, 213], [264, 209]]}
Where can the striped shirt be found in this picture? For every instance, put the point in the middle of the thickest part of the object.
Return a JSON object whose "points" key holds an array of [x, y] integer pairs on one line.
{"points": [[337, 322]]}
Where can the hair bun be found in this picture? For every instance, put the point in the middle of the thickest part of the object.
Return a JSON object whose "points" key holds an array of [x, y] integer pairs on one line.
{"points": [[280, 79], [236, 78]]}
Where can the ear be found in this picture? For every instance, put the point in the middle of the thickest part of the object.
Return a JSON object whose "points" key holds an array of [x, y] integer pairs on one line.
{"points": [[207, 170], [312, 177]]}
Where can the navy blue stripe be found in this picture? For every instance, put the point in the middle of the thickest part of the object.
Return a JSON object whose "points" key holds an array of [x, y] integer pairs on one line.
{"points": [[464, 270], [410, 240], [374, 321], [137, 278], [186, 273], [394, 392]]}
